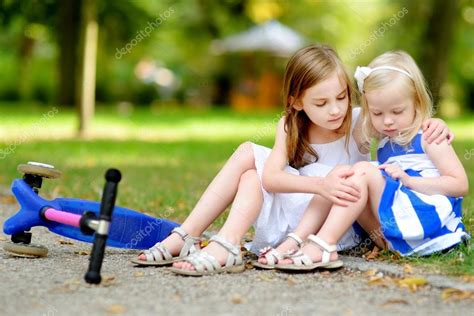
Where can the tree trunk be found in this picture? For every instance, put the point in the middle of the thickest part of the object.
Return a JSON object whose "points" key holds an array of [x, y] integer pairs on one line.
{"points": [[87, 61], [68, 40], [438, 39]]}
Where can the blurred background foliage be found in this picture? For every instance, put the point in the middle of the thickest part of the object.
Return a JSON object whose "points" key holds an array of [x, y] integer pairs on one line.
{"points": [[39, 40]]}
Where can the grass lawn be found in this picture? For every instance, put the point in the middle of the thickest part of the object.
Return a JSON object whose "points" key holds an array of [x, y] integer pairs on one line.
{"points": [[167, 158]]}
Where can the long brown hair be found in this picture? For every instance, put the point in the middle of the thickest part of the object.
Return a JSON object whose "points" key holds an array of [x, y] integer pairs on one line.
{"points": [[306, 68]]}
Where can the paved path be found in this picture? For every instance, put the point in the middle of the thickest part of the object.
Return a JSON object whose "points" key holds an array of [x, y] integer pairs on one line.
{"points": [[54, 286]]}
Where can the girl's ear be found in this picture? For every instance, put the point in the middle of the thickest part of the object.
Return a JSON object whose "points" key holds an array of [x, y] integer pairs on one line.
{"points": [[296, 103]]}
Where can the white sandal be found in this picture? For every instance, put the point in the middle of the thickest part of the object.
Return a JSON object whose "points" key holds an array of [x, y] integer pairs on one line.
{"points": [[205, 264], [272, 255], [159, 255], [301, 261]]}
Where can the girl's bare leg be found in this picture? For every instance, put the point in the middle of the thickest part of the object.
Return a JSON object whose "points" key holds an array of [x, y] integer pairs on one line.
{"points": [[217, 197], [371, 182], [312, 220], [243, 213]]}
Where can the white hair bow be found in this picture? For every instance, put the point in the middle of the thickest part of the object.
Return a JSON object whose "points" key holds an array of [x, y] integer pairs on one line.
{"points": [[363, 72]]}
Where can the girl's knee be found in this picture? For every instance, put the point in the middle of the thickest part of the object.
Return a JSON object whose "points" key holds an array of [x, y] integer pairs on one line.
{"points": [[244, 154], [249, 175], [362, 167]]}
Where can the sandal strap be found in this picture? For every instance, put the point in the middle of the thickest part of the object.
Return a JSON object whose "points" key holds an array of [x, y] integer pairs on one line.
{"points": [[234, 256], [157, 253], [189, 241], [202, 262], [299, 258], [296, 238], [271, 255], [327, 248]]}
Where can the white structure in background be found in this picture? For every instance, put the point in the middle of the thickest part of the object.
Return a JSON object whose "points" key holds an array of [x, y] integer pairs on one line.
{"points": [[251, 89], [271, 36]]}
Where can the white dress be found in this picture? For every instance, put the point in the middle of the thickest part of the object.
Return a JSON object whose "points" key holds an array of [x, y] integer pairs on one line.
{"points": [[281, 212]]}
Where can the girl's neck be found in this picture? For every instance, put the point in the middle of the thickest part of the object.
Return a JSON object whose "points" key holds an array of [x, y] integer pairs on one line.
{"points": [[318, 135]]}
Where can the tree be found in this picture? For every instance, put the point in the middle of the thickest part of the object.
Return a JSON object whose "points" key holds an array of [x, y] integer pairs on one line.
{"points": [[85, 102]]}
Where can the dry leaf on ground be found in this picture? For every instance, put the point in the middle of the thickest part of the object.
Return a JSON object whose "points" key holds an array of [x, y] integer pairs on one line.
{"points": [[237, 299], [457, 295], [372, 255], [412, 283], [82, 252], [394, 301], [116, 309], [407, 269], [65, 242]]}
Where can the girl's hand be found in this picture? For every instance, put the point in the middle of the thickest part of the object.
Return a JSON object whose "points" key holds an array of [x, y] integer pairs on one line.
{"points": [[395, 172], [338, 189], [435, 129]]}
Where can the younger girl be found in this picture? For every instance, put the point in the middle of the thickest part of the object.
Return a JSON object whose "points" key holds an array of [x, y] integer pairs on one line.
{"points": [[316, 127], [411, 203]]}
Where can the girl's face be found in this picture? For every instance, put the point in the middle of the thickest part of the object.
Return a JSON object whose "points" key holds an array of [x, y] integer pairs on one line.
{"points": [[391, 109], [325, 103]]}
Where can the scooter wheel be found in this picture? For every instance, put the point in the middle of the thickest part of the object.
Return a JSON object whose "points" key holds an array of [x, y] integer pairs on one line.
{"points": [[39, 169], [25, 250]]}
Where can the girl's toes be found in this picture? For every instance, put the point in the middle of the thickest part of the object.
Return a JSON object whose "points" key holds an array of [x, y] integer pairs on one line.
{"points": [[262, 260], [177, 264], [187, 266], [142, 257], [285, 261]]}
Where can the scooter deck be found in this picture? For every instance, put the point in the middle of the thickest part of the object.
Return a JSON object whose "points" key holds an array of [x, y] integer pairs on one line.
{"points": [[129, 229]]}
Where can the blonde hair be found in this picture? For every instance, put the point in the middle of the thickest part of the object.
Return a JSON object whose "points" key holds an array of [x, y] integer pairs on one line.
{"points": [[415, 86], [306, 68]]}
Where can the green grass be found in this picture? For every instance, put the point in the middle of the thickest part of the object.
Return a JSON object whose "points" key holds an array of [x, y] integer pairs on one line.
{"points": [[167, 157]]}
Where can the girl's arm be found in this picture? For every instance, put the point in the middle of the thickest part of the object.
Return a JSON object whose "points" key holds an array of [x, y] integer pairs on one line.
{"points": [[364, 147], [334, 187], [453, 180]]}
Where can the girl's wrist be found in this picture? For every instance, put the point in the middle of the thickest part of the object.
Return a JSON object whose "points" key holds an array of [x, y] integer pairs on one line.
{"points": [[406, 181], [317, 184]]}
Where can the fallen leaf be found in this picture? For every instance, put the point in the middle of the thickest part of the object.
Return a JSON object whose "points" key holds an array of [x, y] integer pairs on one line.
{"points": [[237, 299], [116, 309], [82, 252], [65, 242], [291, 281], [412, 283], [138, 274], [372, 255], [72, 282], [378, 280], [3, 238], [407, 269], [395, 256], [266, 277], [394, 301], [468, 278], [108, 281], [204, 243], [370, 272], [456, 294]]}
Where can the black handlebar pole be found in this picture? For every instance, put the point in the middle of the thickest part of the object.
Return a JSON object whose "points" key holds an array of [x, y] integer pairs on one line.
{"points": [[112, 177]]}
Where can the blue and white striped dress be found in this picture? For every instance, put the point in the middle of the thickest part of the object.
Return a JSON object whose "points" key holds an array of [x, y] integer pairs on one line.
{"points": [[413, 222]]}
